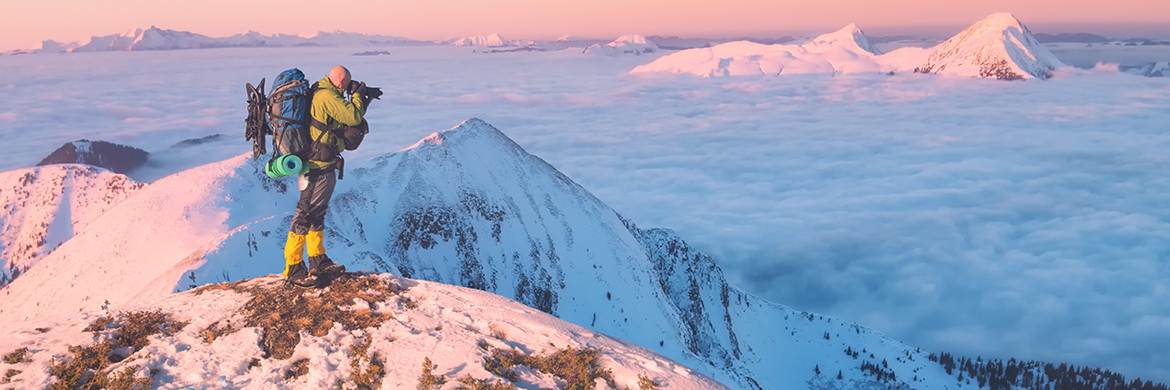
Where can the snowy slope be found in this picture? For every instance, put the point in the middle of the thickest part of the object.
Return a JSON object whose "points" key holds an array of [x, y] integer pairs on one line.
{"points": [[843, 51], [140, 247], [626, 44], [998, 46], [223, 341], [466, 206], [45, 206]]}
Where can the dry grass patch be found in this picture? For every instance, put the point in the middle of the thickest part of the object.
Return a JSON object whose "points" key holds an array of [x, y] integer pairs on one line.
{"points": [[17, 356], [284, 311], [368, 369], [124, 334], [645, 383], [578, 367], [471, 383], [215, 331], [498, 333], [298, 369], [428, 380], [8, 375], [408, 303]]}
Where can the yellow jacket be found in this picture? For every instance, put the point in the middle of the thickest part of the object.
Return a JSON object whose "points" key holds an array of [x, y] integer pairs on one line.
{"points": [[330, 107]]}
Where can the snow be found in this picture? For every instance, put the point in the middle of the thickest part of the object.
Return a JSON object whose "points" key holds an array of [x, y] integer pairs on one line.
{"points": [[492, 40], [155, 38], [46, 205], [627, 44], [465, 206], [947, 213], [845, 51], [448, 326], [849, 38], [998, 46]]}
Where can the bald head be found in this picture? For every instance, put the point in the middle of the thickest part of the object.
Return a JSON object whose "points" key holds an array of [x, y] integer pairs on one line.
{"points": [[339, 76]]}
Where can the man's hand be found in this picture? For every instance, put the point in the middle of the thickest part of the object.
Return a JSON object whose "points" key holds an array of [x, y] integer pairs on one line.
{"points": [[359, 89]]}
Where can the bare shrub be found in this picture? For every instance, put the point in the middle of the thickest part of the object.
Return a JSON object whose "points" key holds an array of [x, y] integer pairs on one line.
{"points": [[428, 380]]}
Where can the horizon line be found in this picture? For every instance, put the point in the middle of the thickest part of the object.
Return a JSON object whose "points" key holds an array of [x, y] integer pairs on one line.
{"points": [[1147, 31]]}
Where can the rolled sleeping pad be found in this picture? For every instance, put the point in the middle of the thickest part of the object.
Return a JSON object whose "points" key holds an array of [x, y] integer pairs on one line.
{"points": [[285, 165]]}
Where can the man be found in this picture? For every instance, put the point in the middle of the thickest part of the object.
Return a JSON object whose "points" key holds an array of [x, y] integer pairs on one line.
{"points": [[331, 114]]}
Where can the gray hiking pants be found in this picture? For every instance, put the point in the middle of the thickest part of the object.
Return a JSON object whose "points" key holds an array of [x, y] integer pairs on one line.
{"points": [[310, 214]]}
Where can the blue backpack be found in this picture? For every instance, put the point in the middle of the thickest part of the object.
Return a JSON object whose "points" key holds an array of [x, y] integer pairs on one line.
{"points": [[288, 113]]}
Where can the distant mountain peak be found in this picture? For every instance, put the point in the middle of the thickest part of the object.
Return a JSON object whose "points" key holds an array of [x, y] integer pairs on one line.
{"points": [[156, 38], [626, 44], [998, 46], [849, 37], [115, 157], [490, 40]]}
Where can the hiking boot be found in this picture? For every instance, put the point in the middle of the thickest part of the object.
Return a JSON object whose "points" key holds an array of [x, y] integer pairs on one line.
{"points": [[298, 275], [323, 265]]}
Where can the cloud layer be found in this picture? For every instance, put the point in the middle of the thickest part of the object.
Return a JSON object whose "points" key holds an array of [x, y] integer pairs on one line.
{"points": [[1002, 219]]}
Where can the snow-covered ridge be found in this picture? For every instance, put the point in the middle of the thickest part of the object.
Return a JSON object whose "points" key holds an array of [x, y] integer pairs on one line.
{"points": [[46, 206], [998, 46], [491, 40], [219, 337], [843, 51], [155, 38], [626, 44]]}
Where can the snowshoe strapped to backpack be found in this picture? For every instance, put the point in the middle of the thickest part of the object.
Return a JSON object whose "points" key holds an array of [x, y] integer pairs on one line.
{"points": [[256, 124], [288, 113]]}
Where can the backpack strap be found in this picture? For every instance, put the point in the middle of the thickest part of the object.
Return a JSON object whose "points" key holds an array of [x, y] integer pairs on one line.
{"points": [[323, 129]]}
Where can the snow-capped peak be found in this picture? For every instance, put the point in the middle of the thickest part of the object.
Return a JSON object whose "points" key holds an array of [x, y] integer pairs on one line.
{"points": [[470, 129], [849, 38], [999, 46], [491, 40], [626, 44], [629, 38]]}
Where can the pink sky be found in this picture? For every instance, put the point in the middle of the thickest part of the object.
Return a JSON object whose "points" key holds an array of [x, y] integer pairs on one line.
{"points": [[29, 21]]}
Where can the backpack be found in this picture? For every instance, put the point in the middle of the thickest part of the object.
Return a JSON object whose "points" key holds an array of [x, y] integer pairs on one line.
{"points": [[288, 113]]}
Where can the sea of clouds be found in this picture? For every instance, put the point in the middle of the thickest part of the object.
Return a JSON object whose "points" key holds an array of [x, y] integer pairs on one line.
{"points": [[1026, 219]]}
